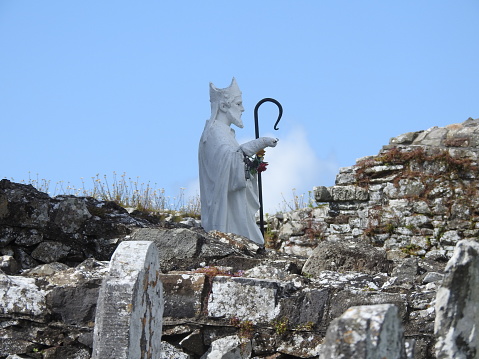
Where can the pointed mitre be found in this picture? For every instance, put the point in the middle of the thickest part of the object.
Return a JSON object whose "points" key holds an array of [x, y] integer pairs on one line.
{"points": [[228, 93]]}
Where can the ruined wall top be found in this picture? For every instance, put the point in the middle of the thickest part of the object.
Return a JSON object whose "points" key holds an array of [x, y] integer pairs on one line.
{"points": [[464, 134]]}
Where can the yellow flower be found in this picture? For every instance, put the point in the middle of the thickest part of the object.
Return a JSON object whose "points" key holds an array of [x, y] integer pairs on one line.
{"points": [[260, 153]]}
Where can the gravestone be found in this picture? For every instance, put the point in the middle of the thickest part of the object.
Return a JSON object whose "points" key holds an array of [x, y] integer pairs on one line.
{"points": [[129, 312], [365, 332], [457, 305]]}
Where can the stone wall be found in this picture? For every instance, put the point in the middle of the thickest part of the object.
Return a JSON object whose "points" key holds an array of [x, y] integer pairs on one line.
{"points": [[37, 229], [418, 196]]}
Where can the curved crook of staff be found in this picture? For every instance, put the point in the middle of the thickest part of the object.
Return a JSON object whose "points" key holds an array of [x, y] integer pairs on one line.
{"points": [[280, 108], [256, 127]]}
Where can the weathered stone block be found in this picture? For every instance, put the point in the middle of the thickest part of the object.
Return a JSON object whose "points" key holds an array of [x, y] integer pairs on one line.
{"points": [[183, 295], [345, 178], [244, 298], [70, 213], [382, 170], [404, 139], [405, 272], [20, 296], [346, 257], [349, 193], [339, 228], [306, 307], [345, 299], [23, 205], [266, 301], [432, 277], [182, 247], [65, 305], [7, 235], [128, 320], [450, 237], [431, 137], [417, 221], [405, 188], [27, 237], [46, 270], [9, 265], [175, 243], [270, 272], [457, 307], [292, 228], [365, 332], [50, 251], [322, 194], [231, 347], [421, 207]]}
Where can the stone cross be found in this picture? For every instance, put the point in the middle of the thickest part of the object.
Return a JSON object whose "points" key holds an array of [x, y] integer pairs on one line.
{"points": [[128, 321]]}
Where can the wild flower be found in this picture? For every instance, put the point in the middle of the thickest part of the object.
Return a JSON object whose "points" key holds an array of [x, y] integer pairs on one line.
{"points": [[256, 163]]}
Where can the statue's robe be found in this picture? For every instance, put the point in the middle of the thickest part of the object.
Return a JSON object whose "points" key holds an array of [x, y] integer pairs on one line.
{"points": [[229, 201]]}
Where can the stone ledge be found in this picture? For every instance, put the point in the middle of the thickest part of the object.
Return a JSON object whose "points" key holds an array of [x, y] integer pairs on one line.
{"points": [[340, 193]]}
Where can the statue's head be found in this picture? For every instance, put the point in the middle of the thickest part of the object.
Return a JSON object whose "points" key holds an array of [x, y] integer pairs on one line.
{"points": [[227, 103]]}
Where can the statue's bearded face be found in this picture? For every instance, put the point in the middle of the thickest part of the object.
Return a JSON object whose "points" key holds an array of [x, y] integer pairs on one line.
{"points": [[235, 111]]}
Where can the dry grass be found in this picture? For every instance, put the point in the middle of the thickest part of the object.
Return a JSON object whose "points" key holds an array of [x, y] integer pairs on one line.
{"points": [[129, 192], [297, 202], [125, 191]]}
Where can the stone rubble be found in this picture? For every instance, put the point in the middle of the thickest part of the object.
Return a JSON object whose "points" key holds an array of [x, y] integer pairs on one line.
{"points": [[55, 311], [382, 236]]}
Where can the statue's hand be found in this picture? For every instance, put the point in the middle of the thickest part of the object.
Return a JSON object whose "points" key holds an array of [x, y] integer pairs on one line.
{"points": [[270, 142], [252, 147]]}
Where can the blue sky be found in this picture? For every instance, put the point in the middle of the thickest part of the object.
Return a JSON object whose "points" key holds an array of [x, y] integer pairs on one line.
{"points": [[96, 87]]}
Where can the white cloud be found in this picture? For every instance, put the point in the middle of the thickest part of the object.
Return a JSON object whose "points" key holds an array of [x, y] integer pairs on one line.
{"points": [[192, 190], [294, 169]]}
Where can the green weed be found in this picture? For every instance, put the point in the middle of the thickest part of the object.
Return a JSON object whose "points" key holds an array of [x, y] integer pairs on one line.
{"points": [[280, 326], [246, 327]]}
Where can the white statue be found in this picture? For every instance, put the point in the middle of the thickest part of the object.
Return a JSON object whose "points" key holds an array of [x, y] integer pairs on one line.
{"points": [[228, 191]]}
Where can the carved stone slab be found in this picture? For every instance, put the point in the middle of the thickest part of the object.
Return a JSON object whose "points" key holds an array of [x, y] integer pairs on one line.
{"points": [[129, 313], [457, 306]]}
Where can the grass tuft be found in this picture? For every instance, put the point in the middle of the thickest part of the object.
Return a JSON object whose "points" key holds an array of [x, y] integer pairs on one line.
{"points": [[125, 191]]}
